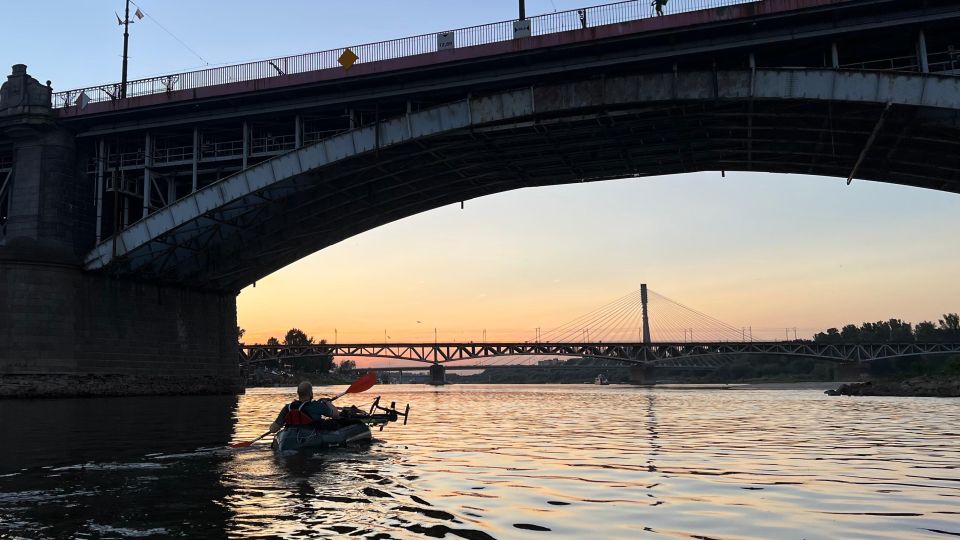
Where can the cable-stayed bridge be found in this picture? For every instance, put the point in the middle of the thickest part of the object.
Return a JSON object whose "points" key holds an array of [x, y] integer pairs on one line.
{"points": [[638, 329]]}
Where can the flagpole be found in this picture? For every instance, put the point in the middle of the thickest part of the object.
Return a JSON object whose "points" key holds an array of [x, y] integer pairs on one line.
{"points": [[126, 39]]}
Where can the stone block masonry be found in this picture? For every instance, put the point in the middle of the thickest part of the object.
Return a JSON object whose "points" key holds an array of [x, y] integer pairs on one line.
{"points": [[67, 332]]}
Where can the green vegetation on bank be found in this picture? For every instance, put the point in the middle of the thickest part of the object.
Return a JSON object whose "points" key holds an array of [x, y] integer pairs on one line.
{"points": [[946, 330], [318, 369]]}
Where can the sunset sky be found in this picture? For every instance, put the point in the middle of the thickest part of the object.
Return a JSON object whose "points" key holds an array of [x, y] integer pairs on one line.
{"points": [[761, 250]]}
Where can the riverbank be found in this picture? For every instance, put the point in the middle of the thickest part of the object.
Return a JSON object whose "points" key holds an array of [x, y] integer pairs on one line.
{"points": [[277, 379], [925, 386]]}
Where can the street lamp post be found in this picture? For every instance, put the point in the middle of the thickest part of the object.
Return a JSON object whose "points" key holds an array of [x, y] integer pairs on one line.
{"points": [[126, 40]]}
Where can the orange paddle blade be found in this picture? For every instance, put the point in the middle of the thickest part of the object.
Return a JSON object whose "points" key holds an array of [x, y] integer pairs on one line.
{"points": [[246, 444], [364, 383]]}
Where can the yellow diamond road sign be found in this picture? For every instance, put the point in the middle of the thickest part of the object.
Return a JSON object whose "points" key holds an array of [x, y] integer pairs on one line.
{"points": [[347, 59]]}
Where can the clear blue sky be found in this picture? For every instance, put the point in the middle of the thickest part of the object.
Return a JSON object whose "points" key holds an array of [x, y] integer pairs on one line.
{"points": [[764, 250]]}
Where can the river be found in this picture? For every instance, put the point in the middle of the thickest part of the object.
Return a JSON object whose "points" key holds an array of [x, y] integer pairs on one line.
{"points": [[574, 461]]}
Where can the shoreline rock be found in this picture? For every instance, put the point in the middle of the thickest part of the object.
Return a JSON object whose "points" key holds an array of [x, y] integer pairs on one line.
{"points": [[916, 387]]}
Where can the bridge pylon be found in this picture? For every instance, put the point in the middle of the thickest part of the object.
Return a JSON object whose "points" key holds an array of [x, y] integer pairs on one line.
{"points": [[69, 332], [646, 314]]}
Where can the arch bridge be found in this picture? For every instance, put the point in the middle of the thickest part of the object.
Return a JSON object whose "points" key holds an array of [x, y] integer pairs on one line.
{"points": [[130, 218], [892, 127]]}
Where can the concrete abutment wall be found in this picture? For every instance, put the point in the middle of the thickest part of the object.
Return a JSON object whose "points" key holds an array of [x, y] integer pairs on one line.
{"points": [[67, 332]]}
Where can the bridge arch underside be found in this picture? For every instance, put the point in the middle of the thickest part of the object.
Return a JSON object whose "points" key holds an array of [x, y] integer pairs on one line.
{"points": [[896, 128]]}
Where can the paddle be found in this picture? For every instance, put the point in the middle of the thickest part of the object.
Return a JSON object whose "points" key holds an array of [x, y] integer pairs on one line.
{"points": [[362, 384], [248, 443]]}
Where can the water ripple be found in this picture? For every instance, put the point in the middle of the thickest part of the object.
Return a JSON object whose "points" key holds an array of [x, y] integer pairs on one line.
{"points": [[518, 462]]}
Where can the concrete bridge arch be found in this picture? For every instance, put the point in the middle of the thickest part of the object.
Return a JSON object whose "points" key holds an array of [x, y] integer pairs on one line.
{"points": [[891, 127]]}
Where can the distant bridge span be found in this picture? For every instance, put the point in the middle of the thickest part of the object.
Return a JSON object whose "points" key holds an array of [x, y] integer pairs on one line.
{"points": [[654, 354]]}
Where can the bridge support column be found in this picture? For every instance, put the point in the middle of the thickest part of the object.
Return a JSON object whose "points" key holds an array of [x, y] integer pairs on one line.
{"points": [[51, 210], [642, 374], [847, 372], [64, 331], [438, 375]]}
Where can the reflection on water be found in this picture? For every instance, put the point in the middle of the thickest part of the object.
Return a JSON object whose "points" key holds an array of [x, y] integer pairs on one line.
{"points": [[494, 461], [71, 431]]}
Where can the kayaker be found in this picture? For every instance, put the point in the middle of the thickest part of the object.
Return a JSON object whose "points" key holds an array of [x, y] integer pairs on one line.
{"points": [[304, 411]]}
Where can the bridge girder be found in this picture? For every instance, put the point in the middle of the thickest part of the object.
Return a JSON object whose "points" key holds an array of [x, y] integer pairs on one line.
{"points": [[250, 224], [655, 354]]}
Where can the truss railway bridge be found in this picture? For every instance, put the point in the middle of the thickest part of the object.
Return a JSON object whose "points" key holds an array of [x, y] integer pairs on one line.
{"points": [[132, 215], [653, 321], [643, 359]]}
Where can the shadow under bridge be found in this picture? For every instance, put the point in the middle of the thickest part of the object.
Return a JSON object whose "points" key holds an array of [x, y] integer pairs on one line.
{"points": [[892, 127]]}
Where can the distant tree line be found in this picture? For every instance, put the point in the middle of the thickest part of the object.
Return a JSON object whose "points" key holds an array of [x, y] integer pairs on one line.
{"points": [[946, 329], [316, 364]]}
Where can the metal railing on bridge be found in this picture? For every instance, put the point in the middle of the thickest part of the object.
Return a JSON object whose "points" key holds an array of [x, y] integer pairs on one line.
{"points": [[551, 23], [941, 62]]}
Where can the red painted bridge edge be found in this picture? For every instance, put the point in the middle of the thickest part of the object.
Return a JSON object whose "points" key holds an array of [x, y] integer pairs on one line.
{"points": [[679, 20]]}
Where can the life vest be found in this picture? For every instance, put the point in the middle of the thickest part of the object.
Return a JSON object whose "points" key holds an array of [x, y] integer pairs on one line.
{"points": [[295, 416]]}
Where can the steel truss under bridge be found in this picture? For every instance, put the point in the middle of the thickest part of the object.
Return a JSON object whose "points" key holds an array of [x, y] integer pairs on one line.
{"points": [[232, 232], [656, 354]]}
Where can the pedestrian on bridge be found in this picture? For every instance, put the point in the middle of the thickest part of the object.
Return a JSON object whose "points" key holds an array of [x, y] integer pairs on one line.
{"points": [[659, 5]]}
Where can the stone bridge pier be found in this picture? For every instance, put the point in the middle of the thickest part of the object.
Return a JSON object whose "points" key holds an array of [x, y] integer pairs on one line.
{"points": [[848, 372], [65, 331], [438, 375], [641, 374]]}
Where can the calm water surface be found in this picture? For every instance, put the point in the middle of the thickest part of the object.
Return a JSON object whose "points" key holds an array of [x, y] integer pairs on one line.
{"points": [[491, 461]]}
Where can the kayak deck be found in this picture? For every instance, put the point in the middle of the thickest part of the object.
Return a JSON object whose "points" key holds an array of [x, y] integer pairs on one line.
{"points": [[295, 438], [354, 426]]}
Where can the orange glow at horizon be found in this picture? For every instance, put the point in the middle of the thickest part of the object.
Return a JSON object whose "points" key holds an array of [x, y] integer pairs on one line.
{"points": [[754, 250]]}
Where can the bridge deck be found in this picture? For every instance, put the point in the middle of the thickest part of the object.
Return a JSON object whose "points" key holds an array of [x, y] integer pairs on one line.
{"points": [[496, 39]]}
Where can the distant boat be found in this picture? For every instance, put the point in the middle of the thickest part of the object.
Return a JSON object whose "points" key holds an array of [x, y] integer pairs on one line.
{"points": [[601, 379]]}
